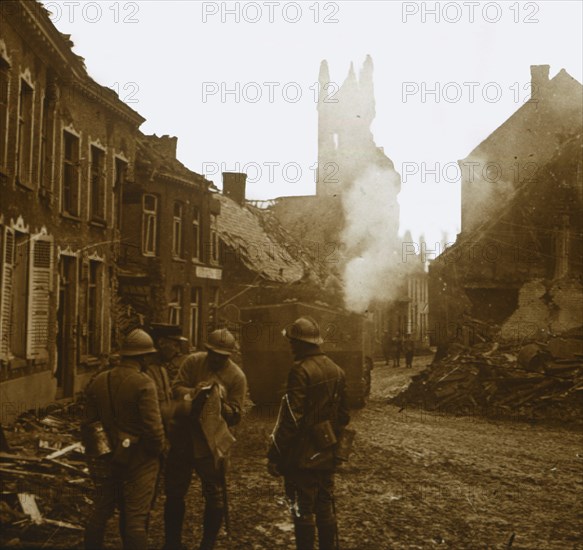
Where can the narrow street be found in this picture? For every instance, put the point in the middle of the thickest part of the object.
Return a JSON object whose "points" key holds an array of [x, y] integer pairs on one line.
{"points": [[417, 480]]}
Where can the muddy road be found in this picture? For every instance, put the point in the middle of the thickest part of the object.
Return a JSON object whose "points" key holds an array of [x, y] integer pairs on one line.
{"points": [[416, 480]]}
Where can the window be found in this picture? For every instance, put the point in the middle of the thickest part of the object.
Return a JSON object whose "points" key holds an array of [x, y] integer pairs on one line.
{"points": [[177, 230], [4, 87], [70, 174], [121, 169], [45, 151], [97, 184], [195, 294], [149, 225], [26, 271], [175, 306], [7, 260], [196, 234], [214, 240], [93, 302], [24, 138], [40, 283]]}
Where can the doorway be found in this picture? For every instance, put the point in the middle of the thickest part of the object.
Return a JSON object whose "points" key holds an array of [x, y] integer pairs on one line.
{"points": [[66, 337]]}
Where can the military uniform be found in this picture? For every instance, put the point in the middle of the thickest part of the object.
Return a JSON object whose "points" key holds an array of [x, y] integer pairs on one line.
{"points": [[132, 409], [409, 349], [189, 450], [316, 391]]}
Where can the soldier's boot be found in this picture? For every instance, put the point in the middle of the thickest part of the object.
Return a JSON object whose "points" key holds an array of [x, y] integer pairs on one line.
{"points": [[173, 519], [305, 535], [213, 519], [327, 536]]}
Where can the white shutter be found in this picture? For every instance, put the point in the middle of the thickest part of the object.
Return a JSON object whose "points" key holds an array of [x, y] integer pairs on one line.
{"points": [[7, 252], [39, 293]]}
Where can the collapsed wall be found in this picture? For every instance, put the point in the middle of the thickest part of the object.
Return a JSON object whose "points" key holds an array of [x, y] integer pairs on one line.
{"points": [[544, 308]]}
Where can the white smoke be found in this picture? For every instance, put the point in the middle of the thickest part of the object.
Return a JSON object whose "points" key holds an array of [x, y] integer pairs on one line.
{"points": [[374, 268]]}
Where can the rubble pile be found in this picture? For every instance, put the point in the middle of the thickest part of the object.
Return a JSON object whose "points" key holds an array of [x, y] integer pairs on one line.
{"points": [[534, 381], [45, 482]]}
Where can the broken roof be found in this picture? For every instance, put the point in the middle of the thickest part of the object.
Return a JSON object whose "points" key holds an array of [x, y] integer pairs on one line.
{"points": [[261, 243], [158, 154]]}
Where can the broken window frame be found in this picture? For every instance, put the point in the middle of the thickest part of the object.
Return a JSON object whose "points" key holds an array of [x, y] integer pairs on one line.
{"points": [[71, 192], [196, 234], [149, 226], [4, 112], [175, 306], [24, 133], [120, 167], [97, 182], [214, 240], [177, 217]]}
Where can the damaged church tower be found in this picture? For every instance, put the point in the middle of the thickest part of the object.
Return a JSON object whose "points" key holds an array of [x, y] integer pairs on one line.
{"points": [[346, 145], [353, 168]]}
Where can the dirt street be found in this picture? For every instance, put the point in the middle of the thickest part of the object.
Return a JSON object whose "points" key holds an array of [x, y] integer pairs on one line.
{"points": [[416, 480]]}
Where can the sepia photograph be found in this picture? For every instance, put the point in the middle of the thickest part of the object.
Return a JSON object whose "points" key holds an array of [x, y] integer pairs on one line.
{"points": [[291, 275]]}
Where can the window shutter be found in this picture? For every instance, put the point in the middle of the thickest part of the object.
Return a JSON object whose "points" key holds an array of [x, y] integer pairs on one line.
{"points": [[7, 252], [39, 292]]}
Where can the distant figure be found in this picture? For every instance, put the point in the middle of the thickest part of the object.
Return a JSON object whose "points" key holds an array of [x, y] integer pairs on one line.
{"points": [[397, 345], [171, 343], [387, 346], [409, 349]]}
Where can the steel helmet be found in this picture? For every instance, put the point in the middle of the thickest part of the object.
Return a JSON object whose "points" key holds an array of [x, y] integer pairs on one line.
{"points": [[305, 329], [221, 341], [137, 342]]}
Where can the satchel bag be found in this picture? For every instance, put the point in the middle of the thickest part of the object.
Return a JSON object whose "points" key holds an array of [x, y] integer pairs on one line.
{"points": [[318, 448]]}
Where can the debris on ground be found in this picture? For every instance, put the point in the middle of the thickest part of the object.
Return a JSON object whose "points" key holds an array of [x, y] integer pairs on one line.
{"points": [[45, 482], [535, 381]]}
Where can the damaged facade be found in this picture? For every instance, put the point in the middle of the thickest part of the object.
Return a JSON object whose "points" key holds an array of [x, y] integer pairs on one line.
{"points": [[169, 263], [353, 220], [262, 262], [517, 262], [66, 147]]}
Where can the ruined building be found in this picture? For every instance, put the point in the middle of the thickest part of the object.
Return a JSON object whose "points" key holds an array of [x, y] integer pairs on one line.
{"points": [[263, 263], [67, 145], [355, 210], [517, 262], [169, 265], [100, 225]]}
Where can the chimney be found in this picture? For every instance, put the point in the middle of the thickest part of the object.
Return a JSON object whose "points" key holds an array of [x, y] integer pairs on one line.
{"points": [[539, 78], [165, 145], [234, 186]]}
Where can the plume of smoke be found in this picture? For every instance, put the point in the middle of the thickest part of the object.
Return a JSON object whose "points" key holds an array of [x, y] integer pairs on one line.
{"points": [[373, 269]]}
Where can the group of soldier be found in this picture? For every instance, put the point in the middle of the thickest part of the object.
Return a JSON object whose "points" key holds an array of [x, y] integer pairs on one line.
{"points": [[162, 418], [395, 346]]}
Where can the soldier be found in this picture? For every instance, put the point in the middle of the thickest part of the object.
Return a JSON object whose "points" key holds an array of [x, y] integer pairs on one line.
{"points": [[409, 349], [172, 346], [169, 340], [189, 449], [313, 414], [387, 345], [397, 348], [124, 400]]}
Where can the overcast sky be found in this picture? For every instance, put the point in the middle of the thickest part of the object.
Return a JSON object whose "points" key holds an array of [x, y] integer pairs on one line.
{"points": [[176, 61]]}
